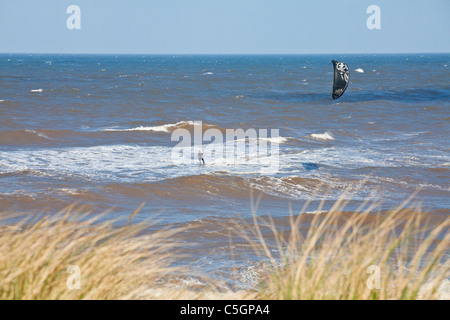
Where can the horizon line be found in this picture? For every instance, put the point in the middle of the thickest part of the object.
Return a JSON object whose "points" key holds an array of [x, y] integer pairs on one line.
{"points": [[226, 54]]}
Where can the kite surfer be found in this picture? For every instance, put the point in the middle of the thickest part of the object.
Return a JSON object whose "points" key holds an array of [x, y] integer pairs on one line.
{"points": [[200, 157]]}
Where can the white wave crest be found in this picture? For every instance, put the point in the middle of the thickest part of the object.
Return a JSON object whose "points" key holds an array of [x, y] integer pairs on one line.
{"points": [[40, 134], [278, 140], [322, 136], [162, 128]]}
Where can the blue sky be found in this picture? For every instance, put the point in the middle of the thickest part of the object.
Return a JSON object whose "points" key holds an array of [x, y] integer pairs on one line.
{"points": [[224, 26]]}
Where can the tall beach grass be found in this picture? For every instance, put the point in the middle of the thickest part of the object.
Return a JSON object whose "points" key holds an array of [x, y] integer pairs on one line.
{"points": [[40, 258], [365, 254]]}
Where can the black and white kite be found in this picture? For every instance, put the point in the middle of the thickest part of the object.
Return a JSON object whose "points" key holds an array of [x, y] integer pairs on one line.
{"points": [[341, 78]]}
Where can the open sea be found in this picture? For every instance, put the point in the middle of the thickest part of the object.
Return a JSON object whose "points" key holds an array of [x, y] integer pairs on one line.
{"points": [[98, 130]]}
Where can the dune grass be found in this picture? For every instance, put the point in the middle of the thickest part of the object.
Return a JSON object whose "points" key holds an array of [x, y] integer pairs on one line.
{"points": [[399, 255], [337, 256], [40, 259]]}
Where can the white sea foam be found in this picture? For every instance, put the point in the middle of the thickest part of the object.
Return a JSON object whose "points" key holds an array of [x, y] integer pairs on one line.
{"points": [[322, 136], [359, 70], [37, 90], [162, 128], [22, 193], [69, 191], [18, 168], [270, 139], [363, 157], [130, 163], [316, 212], [208, 73]]}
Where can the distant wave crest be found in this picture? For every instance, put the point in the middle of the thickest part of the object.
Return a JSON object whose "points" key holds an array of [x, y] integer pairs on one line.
{"points": [[161, 128], [322, 136]]}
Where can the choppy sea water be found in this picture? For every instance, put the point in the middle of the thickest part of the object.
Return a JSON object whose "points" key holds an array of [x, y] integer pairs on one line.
{"points": [[97, 130]]}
